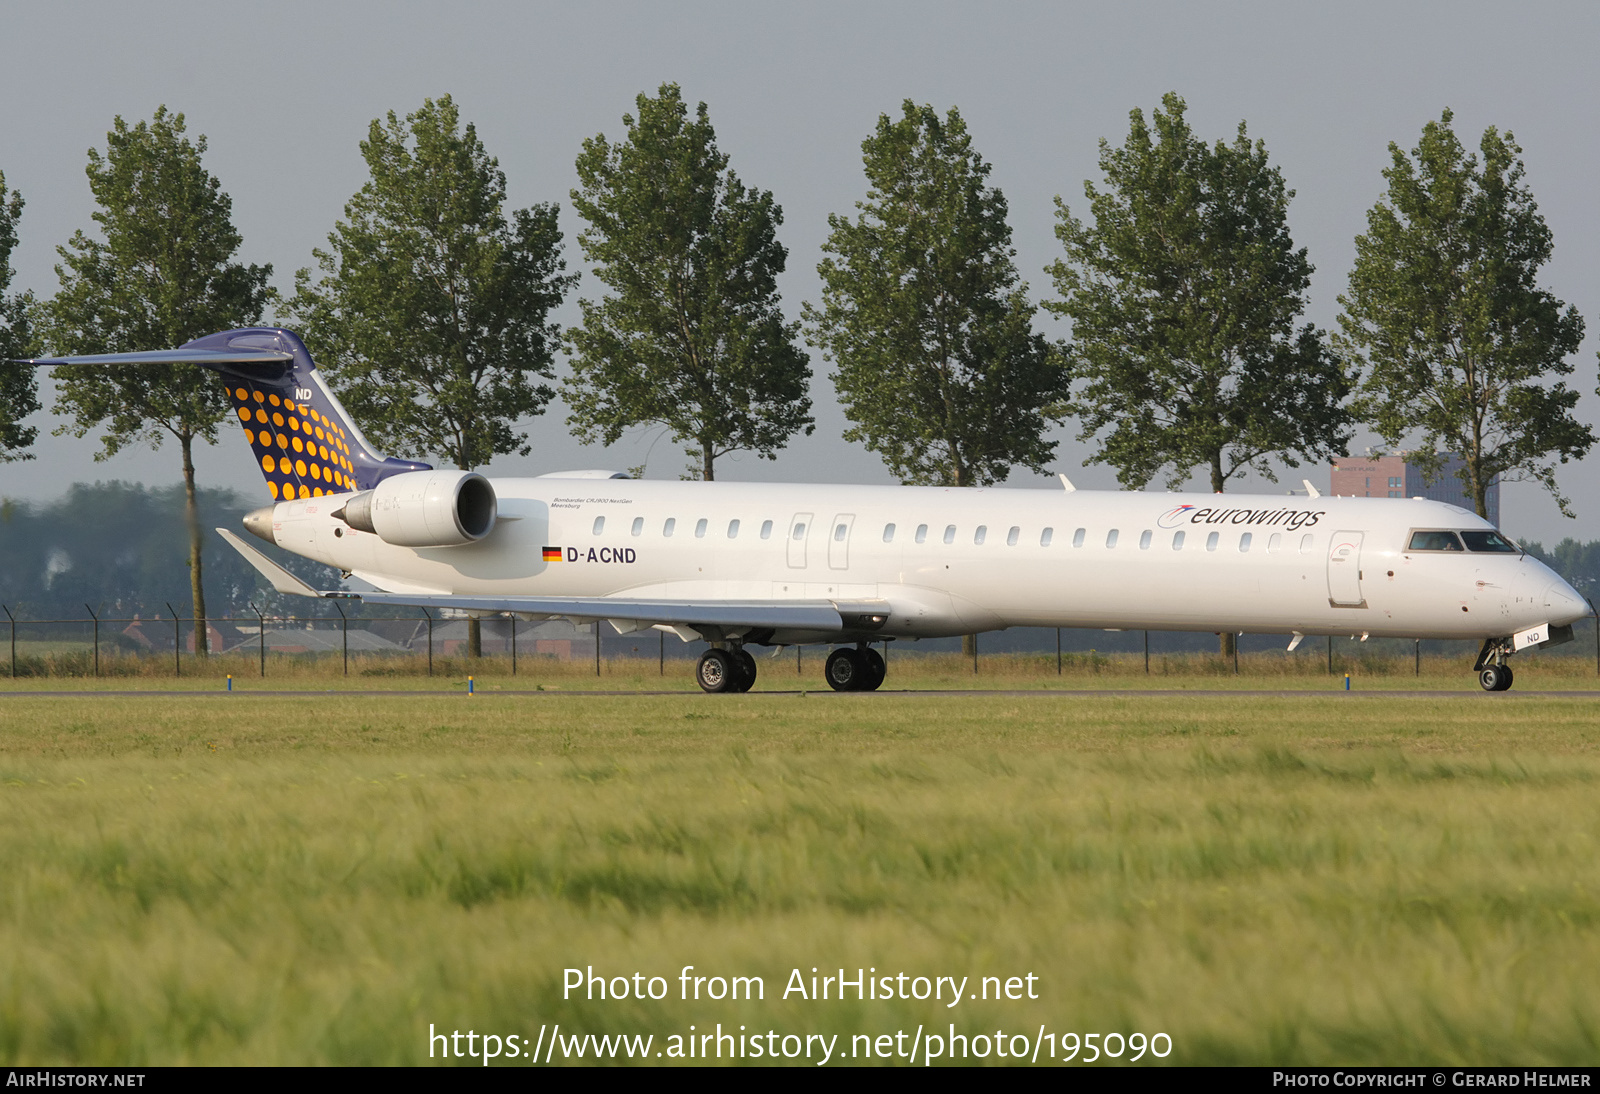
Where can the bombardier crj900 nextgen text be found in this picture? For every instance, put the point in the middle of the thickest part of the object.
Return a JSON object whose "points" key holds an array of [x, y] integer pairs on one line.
{"points": [[766, 564]]}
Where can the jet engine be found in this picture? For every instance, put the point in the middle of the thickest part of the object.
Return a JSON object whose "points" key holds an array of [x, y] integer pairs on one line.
{"points": [[424, 509]]}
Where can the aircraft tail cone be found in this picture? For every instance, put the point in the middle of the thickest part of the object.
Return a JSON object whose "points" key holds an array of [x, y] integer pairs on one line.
{"points": [[259, 524]]}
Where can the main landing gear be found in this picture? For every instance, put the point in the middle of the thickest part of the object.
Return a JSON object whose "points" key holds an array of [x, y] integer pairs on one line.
{"points": [[855, 670], [1493, 672], [725, 670]]}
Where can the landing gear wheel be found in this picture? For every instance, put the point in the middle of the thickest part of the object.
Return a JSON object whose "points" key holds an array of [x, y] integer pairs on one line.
{"points": [[873, 669], [1495, 678], [844, 670], [717, 672], [747, 669]]}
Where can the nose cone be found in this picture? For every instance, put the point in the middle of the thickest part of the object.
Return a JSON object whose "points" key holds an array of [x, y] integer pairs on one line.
{"points": [[1564, 603], [259, 524]]}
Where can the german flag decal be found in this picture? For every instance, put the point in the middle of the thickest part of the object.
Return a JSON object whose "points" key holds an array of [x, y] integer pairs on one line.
{"points": [[552, 554]]}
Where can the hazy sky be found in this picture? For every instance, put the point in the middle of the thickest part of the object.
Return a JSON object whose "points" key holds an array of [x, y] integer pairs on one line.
{"points": [[285, 92]]}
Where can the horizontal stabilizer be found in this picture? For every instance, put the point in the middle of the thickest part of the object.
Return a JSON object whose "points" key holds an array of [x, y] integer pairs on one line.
{"points": [[166, 357], [281, 579]]}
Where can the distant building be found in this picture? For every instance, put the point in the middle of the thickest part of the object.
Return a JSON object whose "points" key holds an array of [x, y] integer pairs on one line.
{"points": [[1391, 476]]}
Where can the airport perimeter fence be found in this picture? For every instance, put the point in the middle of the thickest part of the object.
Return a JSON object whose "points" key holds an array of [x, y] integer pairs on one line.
{"points": [[426, 643]]}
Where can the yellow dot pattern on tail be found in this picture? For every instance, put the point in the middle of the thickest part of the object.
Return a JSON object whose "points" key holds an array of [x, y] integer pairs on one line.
{"points": [[325, 466]]}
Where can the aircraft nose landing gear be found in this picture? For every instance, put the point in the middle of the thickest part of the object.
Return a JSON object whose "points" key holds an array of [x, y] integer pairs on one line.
{"points": [[1493, 672], [1495, 677]]}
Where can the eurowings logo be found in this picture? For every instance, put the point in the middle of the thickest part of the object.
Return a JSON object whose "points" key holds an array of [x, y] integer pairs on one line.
{"points": [[1174, 517]]}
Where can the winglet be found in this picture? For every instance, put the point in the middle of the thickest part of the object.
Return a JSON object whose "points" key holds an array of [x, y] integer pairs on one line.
{"points": [[1066, 482], [1311, 491], [281, 579]]}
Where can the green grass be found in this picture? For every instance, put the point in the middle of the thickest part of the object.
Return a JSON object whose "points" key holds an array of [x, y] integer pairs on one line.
{"points": [[1266, 880], [908, 670]]}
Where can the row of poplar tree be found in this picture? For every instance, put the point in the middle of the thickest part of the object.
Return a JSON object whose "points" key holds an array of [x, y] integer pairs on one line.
{"points": [[430, 310]]}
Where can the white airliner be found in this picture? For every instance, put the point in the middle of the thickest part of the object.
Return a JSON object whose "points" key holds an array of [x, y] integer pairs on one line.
{"points": [[746, 564]]}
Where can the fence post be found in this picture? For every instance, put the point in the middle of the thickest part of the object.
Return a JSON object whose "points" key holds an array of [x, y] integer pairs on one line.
{"points": [[597, 647], [261, 635], [1592, 608], [513, 643], [1058, 651], [14, 641], [177, 641], [1147, 653], [344, 630], [974, 655], [1417, 646], [96, 619], [1236, 655], [1330, 655], [426, 614], [663, 654]]}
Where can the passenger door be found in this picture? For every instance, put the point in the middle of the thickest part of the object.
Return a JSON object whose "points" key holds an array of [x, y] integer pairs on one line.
{"points": [[1344, 570], [839, 541], [799, 532]]}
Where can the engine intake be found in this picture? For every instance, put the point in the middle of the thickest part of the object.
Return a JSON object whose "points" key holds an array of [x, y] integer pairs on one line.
{"points": [[424, 509]]}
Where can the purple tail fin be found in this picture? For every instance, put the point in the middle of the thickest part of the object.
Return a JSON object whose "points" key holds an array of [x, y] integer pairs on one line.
{"points": [[303, 439]]}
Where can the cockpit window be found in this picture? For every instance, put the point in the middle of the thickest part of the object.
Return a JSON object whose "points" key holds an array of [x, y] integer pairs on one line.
{"points": [[1434, 541], [1493, 542]]}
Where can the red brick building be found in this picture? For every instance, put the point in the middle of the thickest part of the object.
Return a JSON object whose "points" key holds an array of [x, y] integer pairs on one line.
{"points": [[1391, 476]]}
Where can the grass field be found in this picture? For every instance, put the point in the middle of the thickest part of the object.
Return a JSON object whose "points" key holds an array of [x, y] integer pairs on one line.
{"points": [[1322, 879]]}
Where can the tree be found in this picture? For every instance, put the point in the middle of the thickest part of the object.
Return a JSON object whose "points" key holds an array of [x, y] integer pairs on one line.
{"points": [[922, 311], [1183, 294], [19, 392], [161, 276], [1443, 310], [432, 316], [691, 337]]}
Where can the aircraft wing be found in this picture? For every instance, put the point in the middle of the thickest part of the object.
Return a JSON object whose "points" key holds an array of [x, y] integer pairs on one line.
{"points": [[700, 615], [704, 617]]}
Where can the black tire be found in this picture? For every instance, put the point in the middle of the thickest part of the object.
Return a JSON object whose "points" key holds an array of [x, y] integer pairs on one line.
{"points": [[1495, 677], [747, 669], [873, 669], [717, 673], [844, 670], [1510, 676]]}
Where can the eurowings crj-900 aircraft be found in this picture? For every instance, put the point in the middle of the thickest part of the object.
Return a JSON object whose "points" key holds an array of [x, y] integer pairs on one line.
{"points": [[748, 564]]}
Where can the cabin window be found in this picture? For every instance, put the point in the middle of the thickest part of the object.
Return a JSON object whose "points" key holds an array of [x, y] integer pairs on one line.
{"points": [[700, 528], [1177, 541], [1434, 541], [733, 529], [922, 533], [1492, 542], [1111, 538], [1046, 536], [599, 525], [980, 535], [888, 533], [1211, 541], [1077, 537], [839, 532], [668, 528], [1305, 545], [766, 529], [1145, 538], [638, 526], [950, 533], [1244, 543], [1274, 543], [800, 531], [1011, 536]]}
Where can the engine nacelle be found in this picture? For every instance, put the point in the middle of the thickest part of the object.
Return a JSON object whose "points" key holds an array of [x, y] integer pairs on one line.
{"points": [[425, 509]]}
